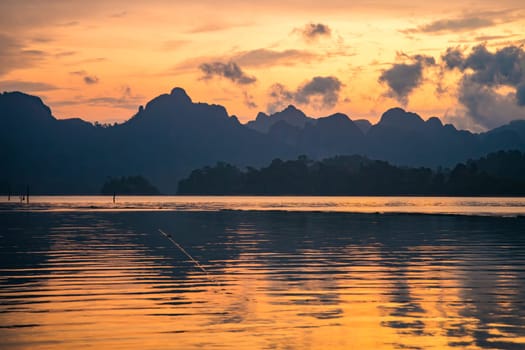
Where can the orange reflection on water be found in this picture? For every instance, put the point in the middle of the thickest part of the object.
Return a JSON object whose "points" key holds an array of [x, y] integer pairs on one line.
{"points": [[275, 290]]}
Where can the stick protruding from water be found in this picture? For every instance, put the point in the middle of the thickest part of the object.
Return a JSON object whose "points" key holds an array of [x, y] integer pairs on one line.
{"points": [[168, 236]]}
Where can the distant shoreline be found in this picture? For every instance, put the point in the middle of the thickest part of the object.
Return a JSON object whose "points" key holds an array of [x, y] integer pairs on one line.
{"points": [[391, 205], [14, 199]]}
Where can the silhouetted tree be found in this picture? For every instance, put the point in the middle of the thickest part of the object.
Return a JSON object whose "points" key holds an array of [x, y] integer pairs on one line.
{"points": [[501, 173]]}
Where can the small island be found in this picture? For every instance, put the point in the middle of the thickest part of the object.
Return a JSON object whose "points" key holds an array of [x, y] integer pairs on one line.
{"points": [[128, 185]]}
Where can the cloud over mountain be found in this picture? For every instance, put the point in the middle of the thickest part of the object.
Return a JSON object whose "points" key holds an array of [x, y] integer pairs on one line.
{"points": [[484, 73], [486, 107], [229, 70], [502, 67], [403, 78], [320, 92], [326, 87]]}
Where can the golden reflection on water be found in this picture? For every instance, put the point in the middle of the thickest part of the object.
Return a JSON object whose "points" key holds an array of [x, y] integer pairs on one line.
{"points": [[488, 206], [273, 283]]}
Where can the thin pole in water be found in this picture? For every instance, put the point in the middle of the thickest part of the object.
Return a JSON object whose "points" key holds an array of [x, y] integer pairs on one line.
{"points": [[27, 194], [168, 236]]}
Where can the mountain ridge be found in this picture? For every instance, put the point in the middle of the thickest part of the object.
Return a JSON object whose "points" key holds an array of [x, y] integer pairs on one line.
{"points": [[173, 135]]}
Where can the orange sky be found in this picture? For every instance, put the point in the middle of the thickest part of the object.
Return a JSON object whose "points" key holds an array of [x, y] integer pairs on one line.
{"points": [[101, 60]]}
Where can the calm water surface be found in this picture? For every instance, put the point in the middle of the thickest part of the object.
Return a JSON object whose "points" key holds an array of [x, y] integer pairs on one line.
{"points": [[95, 276]]}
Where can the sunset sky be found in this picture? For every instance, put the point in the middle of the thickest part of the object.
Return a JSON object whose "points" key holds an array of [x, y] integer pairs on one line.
{"points": [[99, 60]]}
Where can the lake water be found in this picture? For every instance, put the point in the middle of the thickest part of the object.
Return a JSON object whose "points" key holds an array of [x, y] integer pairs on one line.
{"points": [[289, 273], [491, 206]]}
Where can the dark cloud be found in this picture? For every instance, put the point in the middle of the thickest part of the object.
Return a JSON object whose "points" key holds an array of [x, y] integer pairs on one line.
{"points": [[33, 53], [248, 100], [90, 79], [313, 31], [453, 58], [65, 54], [25, 86], [453, 25], [485, 38], [254, 58], [326, 87], [403, 78], [487, 108], [468, 22], [78, 72], [520, 94], [504, 67], [229, 70], [320, 92], [483, 74], [280, 97], [87, 78]]}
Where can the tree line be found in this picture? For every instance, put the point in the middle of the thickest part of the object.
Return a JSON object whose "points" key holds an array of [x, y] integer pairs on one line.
{"points": [[501, 173]]}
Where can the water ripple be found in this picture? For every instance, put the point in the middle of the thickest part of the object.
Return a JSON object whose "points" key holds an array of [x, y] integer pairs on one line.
{"points": [[272, 280]]}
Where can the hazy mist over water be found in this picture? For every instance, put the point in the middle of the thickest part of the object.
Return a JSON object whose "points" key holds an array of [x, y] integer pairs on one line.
{"points": [[106, 278]]}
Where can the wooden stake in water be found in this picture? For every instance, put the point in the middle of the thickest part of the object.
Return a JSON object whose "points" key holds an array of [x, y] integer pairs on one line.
{"points": [[223, 290], [168, 236]]}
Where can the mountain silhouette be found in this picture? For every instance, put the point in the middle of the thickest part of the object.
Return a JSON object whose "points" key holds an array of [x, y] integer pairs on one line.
{"points": [[172, 135], [163, 141], [177, 134], [363, 124], [400, 137], [405, 138], [335, 134], [290, 115]]}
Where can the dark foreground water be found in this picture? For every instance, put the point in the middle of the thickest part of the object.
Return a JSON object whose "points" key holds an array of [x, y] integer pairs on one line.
{"points": [[269, 280]]}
